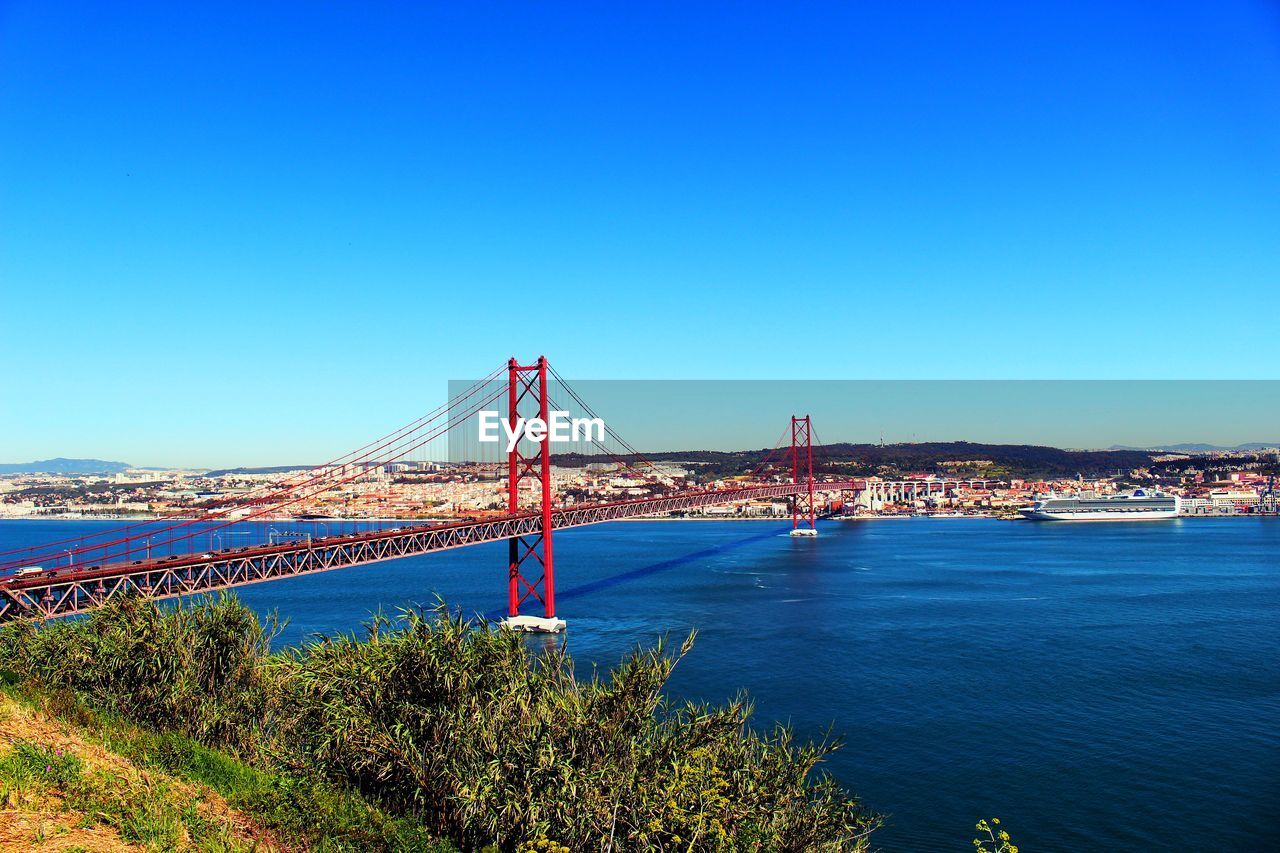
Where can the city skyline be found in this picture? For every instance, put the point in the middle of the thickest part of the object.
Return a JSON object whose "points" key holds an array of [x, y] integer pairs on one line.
{"points": [[742, 415]]}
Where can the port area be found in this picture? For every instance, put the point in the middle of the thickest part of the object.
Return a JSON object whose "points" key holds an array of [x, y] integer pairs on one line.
{"points": [[534, 624]]}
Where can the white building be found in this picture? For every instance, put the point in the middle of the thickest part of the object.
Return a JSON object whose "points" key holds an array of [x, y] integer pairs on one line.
{"points": [[1238, 499]]}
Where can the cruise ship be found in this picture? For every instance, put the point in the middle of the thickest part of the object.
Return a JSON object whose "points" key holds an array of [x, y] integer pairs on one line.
{"points": [[1138, 505]]}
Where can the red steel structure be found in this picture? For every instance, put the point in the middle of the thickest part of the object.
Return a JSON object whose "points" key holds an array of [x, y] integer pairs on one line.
{"points": [[802, 505], [68, 591], [527, 388], [527, 527]]}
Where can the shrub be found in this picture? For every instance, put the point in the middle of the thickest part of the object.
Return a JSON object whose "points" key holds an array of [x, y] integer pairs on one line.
{"points": [[458, 725], [195, 669]]}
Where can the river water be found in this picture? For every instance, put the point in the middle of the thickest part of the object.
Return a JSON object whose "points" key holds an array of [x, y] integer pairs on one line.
{"points": [[1096, 686]]}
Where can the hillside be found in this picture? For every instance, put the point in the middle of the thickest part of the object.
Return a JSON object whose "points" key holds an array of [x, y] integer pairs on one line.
{"points": [[73, 778], [1018, 460], [1197, 447], [61, 465], [271, 469], [61, 789], [959, 458]]}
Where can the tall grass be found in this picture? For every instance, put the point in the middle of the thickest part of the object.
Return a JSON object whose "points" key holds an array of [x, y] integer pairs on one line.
{"points": [[196, 669], [459, 725]]}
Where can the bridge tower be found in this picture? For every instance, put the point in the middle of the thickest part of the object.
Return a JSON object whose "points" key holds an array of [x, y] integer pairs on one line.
{"points": [[802, 505], [530, 563]]}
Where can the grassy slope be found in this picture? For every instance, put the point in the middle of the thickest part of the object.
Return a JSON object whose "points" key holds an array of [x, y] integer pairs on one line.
{"points": [[61, 790], [73, 779]]}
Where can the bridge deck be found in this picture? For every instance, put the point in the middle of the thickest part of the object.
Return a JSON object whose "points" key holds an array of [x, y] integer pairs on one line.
{"points": [[75, 591]]}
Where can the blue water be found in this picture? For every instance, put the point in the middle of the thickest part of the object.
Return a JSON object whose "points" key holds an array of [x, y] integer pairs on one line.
{"points": [[1095, 686]]}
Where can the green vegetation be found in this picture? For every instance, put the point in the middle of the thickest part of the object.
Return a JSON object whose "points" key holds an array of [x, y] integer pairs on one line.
{"points": [[146, 786], [104, 803], [147, 814], [34, 768], [954, 458], [432, 727], [992, 838]]}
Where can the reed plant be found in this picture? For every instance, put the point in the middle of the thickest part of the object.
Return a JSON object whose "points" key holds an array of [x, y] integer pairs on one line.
{"points": [[196, 669], [459, 725]]}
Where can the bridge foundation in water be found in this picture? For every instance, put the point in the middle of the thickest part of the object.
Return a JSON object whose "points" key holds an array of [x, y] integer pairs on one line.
{"points": [[534, 624]]}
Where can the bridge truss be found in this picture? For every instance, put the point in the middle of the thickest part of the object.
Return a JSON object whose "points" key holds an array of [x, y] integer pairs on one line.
{"points": [[77, 592], [106, 568]]}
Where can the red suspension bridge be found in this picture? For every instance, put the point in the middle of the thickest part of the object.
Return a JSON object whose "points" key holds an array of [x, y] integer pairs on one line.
{"points": [[120, 561]]}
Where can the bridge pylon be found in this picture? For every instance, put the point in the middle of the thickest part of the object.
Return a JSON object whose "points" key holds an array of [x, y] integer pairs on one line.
{"points": [[531, 560], [802, 505]]}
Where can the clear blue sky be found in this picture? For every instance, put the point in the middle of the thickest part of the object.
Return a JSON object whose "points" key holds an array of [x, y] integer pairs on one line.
{"points": [[234, 235]]}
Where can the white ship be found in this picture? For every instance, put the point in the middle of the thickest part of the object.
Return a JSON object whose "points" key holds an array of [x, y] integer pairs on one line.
{"points": [[1138, 505]]}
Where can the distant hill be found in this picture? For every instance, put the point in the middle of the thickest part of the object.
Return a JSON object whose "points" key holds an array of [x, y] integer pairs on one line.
{"points": [[1200, 448], [64, 466], [950, 457], [1009, 460], [274, 469]]}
